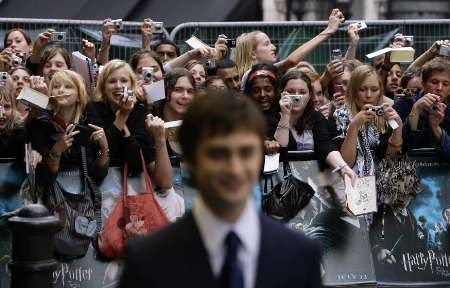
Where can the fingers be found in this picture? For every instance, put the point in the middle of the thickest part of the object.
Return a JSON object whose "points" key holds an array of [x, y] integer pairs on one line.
{"points": [[95, 127], [70, 128]]}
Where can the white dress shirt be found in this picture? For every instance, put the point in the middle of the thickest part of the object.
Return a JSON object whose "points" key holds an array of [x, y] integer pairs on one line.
{"points": [[213, 231]]}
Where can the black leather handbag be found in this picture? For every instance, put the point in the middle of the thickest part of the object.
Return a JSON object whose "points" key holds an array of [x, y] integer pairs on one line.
{"points": [[285, 200]]}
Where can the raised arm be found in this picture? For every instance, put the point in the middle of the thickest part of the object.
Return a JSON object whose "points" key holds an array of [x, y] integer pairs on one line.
{"points": [[335, 19]]}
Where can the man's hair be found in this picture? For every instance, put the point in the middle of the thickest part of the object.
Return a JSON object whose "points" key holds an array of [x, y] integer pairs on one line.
{"points": [[168, 42], [142, 53], [215, 114], [224, 63], [408, 76], [438, 64]]}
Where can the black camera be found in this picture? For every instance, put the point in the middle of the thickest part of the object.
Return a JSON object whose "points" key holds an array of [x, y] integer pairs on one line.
{"points": [[379, 111], [84, 137]]}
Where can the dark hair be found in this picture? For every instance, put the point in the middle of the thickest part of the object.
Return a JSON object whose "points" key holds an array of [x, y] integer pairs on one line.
{"points": [[168, 42], [408, 75], [172, 77], [305, 120], [437, 64], [139, 54], [258, 67], [20, 67], [25, 35], [218, 113], [52, 52], [214, 78], [224, 63]]}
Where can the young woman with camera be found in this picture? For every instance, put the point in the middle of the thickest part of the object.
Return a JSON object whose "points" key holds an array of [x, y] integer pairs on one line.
{"points": [[364, 123], [127, 127], [301, 127]]}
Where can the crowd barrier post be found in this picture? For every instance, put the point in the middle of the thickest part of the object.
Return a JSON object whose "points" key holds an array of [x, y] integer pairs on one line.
{"points": [[32, 262]]}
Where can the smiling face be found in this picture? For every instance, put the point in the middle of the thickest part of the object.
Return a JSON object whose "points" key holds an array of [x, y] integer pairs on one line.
{"points": [[298, 87], [20, 79], [114, 84], [265, 50], [263, 92], [148, 61], [181, 96], [53, 65], [226, 168], [17, 42], [393, 79], [369, 92]]}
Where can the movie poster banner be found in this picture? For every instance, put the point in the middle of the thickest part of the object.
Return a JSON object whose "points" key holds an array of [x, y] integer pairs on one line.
{"points": [[411, 245]]}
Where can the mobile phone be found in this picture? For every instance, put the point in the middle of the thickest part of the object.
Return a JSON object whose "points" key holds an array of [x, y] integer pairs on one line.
{"points": [[84, 137]]}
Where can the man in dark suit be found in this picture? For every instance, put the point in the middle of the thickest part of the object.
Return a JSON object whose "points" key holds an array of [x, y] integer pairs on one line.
{"points": [[223, 242]]}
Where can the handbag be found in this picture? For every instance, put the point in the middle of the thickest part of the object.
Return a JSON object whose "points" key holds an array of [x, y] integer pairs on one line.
{"points": [[76, 212], [287, 198], [132, 215], [397, 180]]}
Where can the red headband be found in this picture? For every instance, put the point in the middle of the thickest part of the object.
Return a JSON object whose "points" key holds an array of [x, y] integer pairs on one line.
{"points": [[263, 73]]}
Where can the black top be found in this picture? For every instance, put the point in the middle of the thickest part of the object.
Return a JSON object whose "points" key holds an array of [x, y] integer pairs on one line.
{"points": [[272, 117], [124, 148], [12, 144], [43, 132], [323, 144]]}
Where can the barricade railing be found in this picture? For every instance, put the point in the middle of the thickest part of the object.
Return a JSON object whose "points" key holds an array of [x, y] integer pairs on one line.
{"points": [[123, 44], [351, 263], [289, 35]]}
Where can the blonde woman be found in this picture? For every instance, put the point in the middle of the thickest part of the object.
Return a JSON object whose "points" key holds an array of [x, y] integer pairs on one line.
{"points": [[68, 100], [256, 47], [127, 127], [362, 123]]}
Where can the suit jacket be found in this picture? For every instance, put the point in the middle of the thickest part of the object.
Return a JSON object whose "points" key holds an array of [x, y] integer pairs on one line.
{"points": [[177, 257]]}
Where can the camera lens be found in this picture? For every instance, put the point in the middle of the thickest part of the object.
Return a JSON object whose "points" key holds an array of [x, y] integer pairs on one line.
{"points": [[60, 37]]}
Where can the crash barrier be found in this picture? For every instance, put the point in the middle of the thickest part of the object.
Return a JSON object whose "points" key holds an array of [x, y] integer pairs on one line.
{"points": [[123, 44], [355, 252], [287, 36]]}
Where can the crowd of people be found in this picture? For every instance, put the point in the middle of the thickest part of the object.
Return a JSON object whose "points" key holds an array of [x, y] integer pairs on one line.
{"points": [[352, 116]]}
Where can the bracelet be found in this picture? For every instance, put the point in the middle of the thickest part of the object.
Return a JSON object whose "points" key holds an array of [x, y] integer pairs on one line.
{"points": [[395, 145], [103, 153]]}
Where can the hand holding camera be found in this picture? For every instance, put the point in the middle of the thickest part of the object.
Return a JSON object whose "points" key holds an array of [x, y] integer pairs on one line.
{"points": [[387, 112], [147, 30], [97, 134], [285, 104], [155, 126], [108, 29], [437, 114], [427, 102], [88, 49], [128, 100]]}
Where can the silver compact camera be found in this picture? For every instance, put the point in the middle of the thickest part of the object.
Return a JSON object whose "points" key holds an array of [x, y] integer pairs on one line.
{"points": [[117, 24], [147, 74], [408, 41], [296, 99], [379, 111], [126, 92], [3, 76], [58, 37], [15, 61], [210, 63], [444, 50]]}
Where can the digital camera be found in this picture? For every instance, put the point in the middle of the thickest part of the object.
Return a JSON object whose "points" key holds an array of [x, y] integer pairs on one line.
{"points": [[336, 54], [147, 74], [58, 37], [15, 61], [379, 111], [126, 92], [408, 40], [296, 99], [211, 63], [444, 50], [3, 76], [117, 24]]}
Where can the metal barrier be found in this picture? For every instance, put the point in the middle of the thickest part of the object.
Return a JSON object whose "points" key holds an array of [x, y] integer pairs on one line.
{"points": [[289, 35], [122, 44]]}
